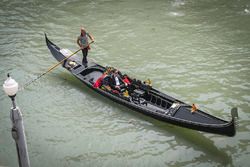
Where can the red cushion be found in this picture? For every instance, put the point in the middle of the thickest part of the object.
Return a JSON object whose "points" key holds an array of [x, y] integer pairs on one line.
{"points": [[98, 82], [126, 80]]}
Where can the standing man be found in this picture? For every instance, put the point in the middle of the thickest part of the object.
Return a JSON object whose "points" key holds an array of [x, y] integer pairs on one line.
{"points": [[83, 42]]}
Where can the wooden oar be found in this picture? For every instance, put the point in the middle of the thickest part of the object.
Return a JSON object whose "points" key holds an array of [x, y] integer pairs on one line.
{"points": [[53, 67]]}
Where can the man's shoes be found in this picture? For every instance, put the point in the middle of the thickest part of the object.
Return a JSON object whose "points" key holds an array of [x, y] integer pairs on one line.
{"points": [[85, 65]]}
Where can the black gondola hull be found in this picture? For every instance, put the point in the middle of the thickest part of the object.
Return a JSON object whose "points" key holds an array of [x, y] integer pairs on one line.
{"points": [[200, 121]]}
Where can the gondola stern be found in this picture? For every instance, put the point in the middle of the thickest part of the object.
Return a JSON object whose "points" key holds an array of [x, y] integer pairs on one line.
{"points": [[54, 49], [46, 39]]}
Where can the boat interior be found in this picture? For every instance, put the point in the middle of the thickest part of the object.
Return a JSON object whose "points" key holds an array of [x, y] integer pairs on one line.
{"points": [[140, 95]]}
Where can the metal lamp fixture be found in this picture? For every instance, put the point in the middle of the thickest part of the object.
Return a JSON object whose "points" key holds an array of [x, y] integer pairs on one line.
{"points": [[10, 86]]}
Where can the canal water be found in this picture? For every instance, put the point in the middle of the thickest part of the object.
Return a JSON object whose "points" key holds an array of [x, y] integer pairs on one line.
{"points": [[196, 51]]}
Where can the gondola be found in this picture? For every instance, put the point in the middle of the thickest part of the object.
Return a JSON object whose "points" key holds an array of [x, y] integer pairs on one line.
{"points": [[146, 99]]}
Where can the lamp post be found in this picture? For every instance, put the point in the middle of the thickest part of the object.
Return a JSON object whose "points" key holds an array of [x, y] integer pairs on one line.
{"points": [[10, 87]]}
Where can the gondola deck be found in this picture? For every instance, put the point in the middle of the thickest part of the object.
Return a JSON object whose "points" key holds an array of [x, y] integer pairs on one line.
{"points": [[150, 101]]}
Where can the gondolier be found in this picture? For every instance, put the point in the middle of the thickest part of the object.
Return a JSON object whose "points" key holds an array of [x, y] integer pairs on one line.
{"points": [[83, 42]]}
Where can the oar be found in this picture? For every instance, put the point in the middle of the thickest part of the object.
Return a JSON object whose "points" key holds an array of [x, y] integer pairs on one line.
{"points": [[53, 67]]}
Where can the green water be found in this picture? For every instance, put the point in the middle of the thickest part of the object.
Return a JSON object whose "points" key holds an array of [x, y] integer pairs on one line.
{"points": [[197, 51]]}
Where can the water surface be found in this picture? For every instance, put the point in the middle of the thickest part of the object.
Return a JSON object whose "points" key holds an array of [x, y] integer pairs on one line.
{"points": [[197, 51]]}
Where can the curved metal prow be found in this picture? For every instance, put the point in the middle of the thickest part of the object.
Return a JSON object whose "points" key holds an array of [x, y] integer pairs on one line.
{"points": [[235, 116], [234, 113]]}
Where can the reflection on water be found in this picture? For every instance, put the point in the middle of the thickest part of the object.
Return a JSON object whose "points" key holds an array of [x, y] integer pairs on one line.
{"points": [[196, 51]]}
